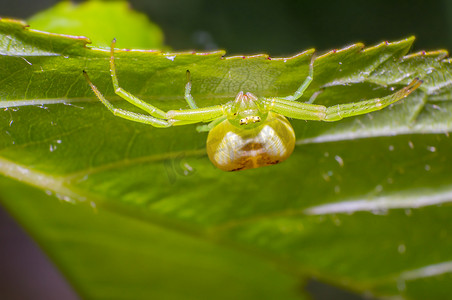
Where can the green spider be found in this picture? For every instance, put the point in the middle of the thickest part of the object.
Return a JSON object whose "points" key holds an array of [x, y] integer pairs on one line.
{"points": [[248, 132]]}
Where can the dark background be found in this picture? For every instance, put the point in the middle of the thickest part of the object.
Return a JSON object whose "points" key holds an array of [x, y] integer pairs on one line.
{"points": [[284, 27], [279, 28]]}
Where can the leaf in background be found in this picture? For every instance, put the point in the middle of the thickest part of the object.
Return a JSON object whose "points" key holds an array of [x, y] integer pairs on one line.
{"points": [[358, 204], [101, 22]]}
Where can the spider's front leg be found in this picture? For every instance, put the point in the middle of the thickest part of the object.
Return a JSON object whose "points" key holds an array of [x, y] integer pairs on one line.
{"points": [[306, 111], [150, 109], [156, 122], [156, 117], [170, 118], [340, 111]]}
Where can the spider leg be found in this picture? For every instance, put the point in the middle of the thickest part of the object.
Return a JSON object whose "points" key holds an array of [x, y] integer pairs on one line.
{"points": [[340, 111], [171, 118], [188, 116], [152, 110], [294, 109], [304, 85], [127, 114], [307, 111], [157, 118], [315, 95], [204, 114], [188, 96]]}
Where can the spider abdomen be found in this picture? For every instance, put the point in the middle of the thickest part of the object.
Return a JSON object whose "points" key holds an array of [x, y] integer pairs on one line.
{"points": [[232, 149]]}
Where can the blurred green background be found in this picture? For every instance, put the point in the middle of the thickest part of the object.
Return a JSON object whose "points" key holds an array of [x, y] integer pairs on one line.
{"points": [[279, 28], [284, 27]]}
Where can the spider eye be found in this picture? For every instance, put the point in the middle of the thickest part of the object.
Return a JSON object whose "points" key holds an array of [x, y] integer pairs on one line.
{"points": [[250, 119]]}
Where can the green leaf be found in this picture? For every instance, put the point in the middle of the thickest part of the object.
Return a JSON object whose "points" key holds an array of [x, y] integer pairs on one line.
{"points": [[361, 204], [112, 256], [101, 22]]}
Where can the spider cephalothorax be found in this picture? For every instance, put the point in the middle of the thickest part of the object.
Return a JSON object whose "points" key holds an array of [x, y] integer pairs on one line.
{"points": [[244, 112], [248, 132]]}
